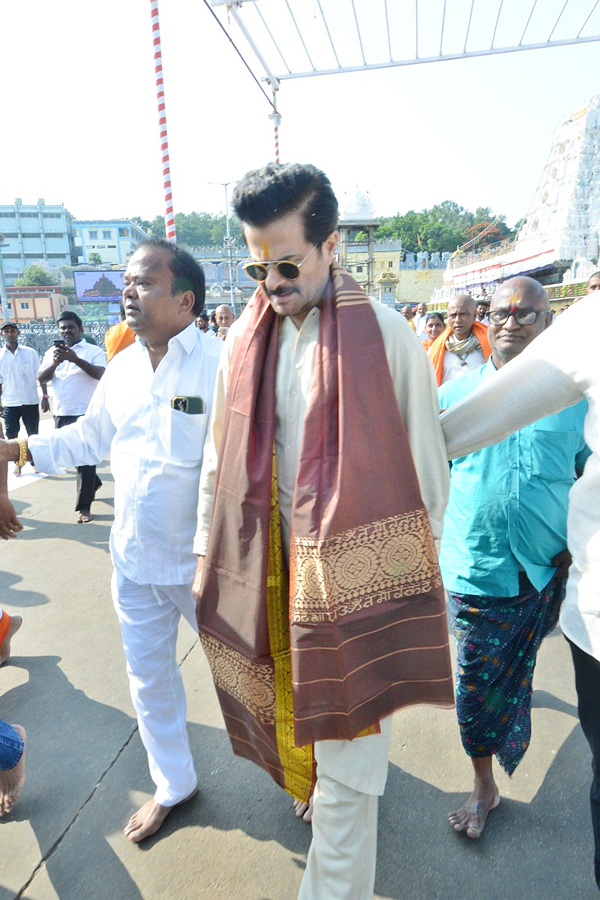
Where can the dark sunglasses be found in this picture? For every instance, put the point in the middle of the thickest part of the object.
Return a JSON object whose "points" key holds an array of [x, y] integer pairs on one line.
{"points": [[287, 269], [521, 316]]}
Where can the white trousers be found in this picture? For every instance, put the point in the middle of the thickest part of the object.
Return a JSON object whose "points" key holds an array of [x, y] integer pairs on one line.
{"points": [[343, 852], [149, 617]]}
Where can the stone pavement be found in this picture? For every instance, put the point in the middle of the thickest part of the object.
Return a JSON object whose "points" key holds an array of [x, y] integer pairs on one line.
{"points": [[238, 839]]}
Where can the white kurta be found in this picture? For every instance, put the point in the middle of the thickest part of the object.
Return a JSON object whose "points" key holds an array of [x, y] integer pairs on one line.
{"points": [[559, 368], [414, 386], [341, 860]]}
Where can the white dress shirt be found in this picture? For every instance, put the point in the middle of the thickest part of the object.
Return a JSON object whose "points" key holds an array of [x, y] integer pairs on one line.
{"points": [[72, 387], [155, 453], [18, 375], [559, 368], [416, 392], [420, 323]]}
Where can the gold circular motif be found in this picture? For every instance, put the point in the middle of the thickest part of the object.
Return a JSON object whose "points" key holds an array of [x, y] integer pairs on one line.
{"points": [[355, 568], [310, 577], [400, 555]]}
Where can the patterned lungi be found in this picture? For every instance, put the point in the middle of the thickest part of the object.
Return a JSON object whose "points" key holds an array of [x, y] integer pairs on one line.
{"points": [[497, 642]]}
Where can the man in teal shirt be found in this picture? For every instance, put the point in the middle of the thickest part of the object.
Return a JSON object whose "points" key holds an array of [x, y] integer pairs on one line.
{"points": [[503, 556]]}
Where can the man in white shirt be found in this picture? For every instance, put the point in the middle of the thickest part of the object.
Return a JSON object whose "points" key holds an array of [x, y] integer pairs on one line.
{"points": [[420, 320], [74, 367], [312, 535], [19, 385], [224, 318], [150, 412]]}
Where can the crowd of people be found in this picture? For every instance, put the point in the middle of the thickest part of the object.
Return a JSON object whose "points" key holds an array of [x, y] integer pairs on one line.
{"points": [[308, 567]]}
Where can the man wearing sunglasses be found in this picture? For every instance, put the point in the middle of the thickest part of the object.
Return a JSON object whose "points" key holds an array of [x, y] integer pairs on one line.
{"points": [[503, 556], [318, 599]]}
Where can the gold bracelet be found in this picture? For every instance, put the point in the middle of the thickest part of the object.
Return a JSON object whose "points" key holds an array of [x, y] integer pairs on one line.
{"points": [[23, 452]]}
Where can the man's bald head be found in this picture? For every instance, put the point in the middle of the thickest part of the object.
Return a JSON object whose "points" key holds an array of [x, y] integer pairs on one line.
{"points": [[521, 297], [525, 290], [461, 315], [224, 316]]}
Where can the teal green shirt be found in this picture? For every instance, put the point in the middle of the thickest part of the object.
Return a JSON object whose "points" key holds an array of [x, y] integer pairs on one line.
{"points": [[507, 510]]}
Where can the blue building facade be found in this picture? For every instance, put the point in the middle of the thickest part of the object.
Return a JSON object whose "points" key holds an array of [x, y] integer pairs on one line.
{"points": [[114, 241], [35, 234]]}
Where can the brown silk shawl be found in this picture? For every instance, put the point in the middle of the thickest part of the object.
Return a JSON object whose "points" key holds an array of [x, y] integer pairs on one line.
{"points": [[367, 622]]}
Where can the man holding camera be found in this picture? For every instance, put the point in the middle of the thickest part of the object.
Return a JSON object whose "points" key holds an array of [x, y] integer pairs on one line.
{"points": [[74, 367]]}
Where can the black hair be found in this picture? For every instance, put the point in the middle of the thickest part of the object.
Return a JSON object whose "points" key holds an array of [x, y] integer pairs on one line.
{"points": [[69, 315], [267, 194], [188, 274], [435, 315]]}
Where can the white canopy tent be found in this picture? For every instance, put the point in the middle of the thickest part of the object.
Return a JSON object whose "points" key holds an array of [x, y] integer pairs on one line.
{"points": [[303, 38], [279, 40]]}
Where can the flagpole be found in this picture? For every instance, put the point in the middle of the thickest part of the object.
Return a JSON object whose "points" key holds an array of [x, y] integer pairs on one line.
{"points": [[162, 123]]}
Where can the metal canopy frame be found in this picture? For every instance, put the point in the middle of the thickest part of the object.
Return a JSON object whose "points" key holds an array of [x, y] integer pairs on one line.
{"points": [[304, 38]]}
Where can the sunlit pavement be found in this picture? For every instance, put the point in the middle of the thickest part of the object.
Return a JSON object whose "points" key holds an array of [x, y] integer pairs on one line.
{"points": [[238, 839]]}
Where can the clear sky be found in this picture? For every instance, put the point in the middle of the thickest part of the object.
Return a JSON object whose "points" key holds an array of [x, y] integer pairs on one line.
{"points": [[80, 126]]}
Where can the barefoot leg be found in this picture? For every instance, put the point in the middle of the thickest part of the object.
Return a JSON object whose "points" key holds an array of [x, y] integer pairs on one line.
{"points": [[485, 796], [148, 819], [15, 624], [12, 780], [304, 810]]}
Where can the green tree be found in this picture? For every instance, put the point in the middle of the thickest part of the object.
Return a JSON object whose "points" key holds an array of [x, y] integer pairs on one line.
{"points": [[35, 274], [144, 224], [195, 229], [94, 259], [443, 228]]}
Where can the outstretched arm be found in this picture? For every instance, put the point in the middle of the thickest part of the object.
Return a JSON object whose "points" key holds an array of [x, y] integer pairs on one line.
{"points": [[9, 524]]}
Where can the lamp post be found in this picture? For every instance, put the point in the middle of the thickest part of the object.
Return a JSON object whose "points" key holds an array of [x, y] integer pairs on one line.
{"points": [[3, 295], [228, 241]]}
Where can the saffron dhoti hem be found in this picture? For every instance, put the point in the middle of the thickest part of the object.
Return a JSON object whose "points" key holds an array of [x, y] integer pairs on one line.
{"points": [[497, 643]]}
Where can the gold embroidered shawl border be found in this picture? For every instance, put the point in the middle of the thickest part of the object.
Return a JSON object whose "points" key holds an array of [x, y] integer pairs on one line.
{"points": [[248, 682], [391, 559]]}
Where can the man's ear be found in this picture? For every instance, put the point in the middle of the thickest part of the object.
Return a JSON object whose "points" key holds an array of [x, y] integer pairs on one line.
{"points": [[329, 245], [187, 302]]}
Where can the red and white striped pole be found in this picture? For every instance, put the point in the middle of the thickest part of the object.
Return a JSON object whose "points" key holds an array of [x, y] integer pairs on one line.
{"points": [[276, 123], [162, 123]]}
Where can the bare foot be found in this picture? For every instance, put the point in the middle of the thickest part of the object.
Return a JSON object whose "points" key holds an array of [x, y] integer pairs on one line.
{"points": [[84, 517], [472, 814], [304, 810], [148, 819], [12, 780], [17, 471], [15, 624]]}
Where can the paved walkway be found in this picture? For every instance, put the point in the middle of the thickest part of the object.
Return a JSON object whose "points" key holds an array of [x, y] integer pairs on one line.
{"points": [[238, 839]]}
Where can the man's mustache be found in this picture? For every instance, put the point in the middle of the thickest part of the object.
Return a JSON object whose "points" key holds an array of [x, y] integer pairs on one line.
{"points": [[281, 291]]}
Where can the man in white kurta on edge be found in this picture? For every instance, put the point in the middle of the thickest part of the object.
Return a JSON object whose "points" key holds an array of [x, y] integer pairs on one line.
{"points": [[151, 411], [557, 370], [351, 774]]}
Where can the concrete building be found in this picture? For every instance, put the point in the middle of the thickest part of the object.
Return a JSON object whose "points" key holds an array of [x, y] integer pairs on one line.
{"points": [[113, 240], [398, 276], [27, 304], [35, 234]]}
